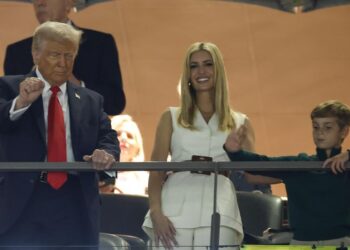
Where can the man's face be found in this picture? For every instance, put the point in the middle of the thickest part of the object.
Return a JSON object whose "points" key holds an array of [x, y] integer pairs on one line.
{"points": [[52, 10], [327, 133], [55, 61]]}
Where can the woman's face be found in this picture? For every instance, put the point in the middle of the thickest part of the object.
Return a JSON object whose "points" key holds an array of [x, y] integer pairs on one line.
{"points": [[202, 71], [127, 142]]}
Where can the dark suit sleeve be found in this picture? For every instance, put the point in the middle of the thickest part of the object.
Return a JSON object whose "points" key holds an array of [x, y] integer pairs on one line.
{"points": [[107, 137], [108, 141], [7, 96]]}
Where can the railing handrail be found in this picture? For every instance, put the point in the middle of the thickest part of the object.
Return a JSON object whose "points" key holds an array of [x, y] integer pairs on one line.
{"points": [[169, 166]]}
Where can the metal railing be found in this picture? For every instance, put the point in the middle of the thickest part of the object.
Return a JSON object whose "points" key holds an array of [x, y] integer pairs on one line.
{"points": [[169, 166]]}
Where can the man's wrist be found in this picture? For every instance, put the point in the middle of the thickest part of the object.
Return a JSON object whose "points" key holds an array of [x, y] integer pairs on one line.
{"points": [[20, 104]]}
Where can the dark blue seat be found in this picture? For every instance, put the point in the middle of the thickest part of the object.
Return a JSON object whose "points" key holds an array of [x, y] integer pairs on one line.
{"points": [[260, 212], [112, 242], [124, 214]]}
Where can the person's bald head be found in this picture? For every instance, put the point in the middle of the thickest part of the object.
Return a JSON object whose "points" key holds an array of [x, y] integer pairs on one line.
{"points": [[52, 10]]}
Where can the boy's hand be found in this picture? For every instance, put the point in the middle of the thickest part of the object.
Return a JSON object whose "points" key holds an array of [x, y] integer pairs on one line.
{"points": [[234, 139], [336, 163]]}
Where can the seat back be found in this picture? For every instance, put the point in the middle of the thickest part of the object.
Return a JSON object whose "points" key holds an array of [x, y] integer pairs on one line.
{"points": [[123, 214], [259, 212], [112, 242], [134, 242]]}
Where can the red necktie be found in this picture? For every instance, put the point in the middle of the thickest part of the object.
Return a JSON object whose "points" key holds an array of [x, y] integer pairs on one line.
{"points": [[56, 141]]}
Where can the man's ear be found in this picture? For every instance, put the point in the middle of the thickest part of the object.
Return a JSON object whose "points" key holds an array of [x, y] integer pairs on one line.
{"points": [[35, 55]]}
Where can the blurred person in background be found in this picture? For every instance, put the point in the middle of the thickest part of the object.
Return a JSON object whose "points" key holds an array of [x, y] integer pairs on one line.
{"points": [[131, 146]]}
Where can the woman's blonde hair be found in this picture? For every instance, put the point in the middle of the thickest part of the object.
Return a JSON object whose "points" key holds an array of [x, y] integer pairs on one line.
{"points": [[188, 104], [118, 121]]}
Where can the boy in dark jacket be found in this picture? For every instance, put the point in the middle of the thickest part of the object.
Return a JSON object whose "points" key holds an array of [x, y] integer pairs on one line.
{"points": [[318, 201]]}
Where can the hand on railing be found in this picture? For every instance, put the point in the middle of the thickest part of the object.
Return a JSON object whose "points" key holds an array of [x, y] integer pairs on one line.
{"points": [[337, 162], [101, 160]]}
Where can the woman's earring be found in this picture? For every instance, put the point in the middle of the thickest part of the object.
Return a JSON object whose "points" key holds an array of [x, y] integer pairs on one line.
{"points": [[189, 84]]}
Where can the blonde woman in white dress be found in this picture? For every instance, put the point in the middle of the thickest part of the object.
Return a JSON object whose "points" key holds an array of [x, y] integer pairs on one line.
{"points": [[181, 203]]}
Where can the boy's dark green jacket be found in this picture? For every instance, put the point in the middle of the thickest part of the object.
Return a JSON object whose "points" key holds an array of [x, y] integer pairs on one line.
{"points": [[318, 201]]}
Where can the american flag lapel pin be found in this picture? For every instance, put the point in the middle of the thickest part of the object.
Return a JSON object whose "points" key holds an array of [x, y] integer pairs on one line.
{"points": [[77, 95]]}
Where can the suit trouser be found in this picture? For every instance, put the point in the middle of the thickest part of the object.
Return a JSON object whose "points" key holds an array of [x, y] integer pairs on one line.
{"points": [[52, 219]]}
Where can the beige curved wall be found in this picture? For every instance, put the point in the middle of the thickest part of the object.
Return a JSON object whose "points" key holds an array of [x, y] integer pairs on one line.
{"points": [[279, 65]]}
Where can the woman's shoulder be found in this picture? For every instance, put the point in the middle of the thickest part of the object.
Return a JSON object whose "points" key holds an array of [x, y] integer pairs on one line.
{"points": [[169, 116], [238, 116], [166, 115], [174, 112], [173, 109]]}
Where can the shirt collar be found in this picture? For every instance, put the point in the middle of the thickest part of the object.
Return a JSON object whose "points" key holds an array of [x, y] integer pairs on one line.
{"points": [[322, 155]]}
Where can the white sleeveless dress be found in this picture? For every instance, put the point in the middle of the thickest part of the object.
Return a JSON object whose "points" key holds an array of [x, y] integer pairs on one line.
{"points": [[187, 199]]}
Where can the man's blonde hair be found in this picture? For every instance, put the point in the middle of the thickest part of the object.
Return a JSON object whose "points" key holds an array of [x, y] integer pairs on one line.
{"points": [[55, 31], [188, 105]]}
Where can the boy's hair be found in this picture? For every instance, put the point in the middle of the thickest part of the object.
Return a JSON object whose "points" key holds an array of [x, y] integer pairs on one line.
{"points": [[333, 108]]}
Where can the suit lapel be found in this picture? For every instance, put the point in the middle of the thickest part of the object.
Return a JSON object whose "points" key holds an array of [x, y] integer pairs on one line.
{"points": [[75, 112]]}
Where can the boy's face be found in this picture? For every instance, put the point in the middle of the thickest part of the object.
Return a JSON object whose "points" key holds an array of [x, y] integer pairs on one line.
{"points": [[327, 133]]}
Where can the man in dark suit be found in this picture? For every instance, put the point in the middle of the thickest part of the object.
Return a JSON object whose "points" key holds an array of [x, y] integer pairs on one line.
{"points": [[96, 66], [52, 208]]}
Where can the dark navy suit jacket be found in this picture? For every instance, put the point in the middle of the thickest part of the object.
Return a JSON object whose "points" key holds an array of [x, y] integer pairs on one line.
{"points": [[24, 140], [96, 64]]}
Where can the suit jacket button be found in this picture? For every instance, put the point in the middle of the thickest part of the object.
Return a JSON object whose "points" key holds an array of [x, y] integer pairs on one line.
{"points": [[32, 181]]}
